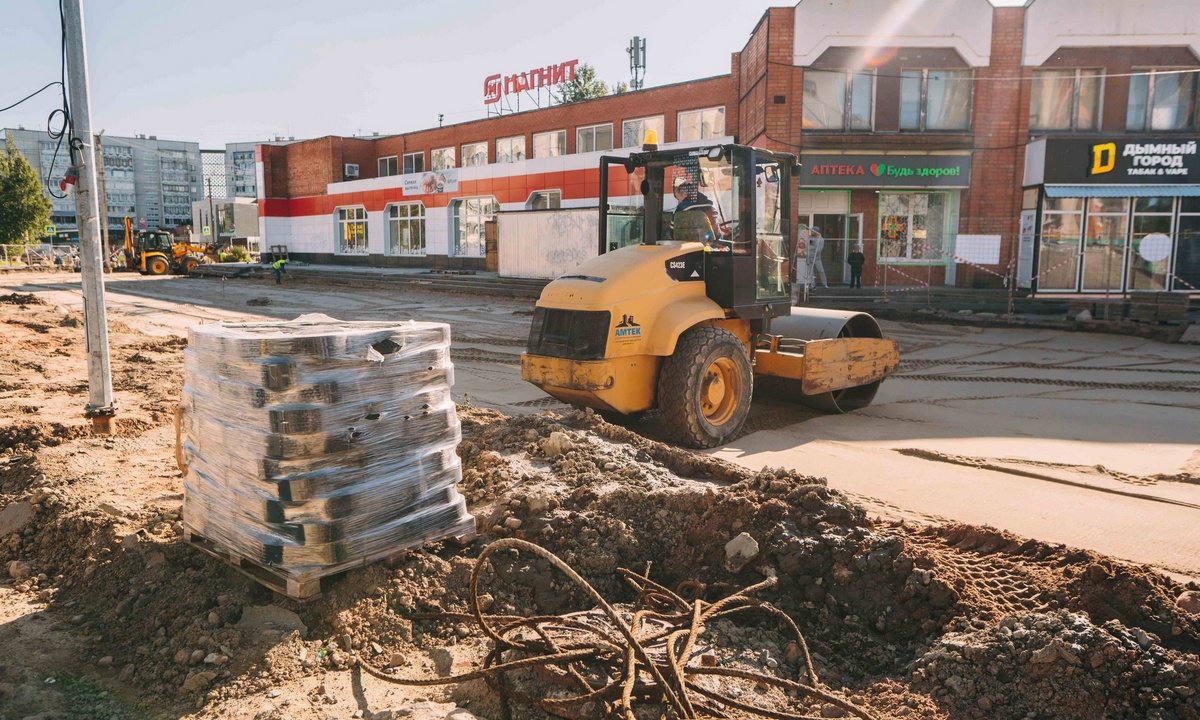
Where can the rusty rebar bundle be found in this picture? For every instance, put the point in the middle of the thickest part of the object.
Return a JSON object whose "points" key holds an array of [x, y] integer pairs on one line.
{"points": [[598, 663]]}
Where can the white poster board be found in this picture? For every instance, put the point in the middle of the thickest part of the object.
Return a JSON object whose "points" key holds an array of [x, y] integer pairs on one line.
{"points": [[978, 249]]}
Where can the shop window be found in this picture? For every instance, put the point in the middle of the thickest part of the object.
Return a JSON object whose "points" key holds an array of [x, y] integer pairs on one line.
{"points": [[593, 138], [406, 228], [1162, 100], [470, 214], [1065, 99], [1058, 255], [633, 132], [700, 124], [414, 163], [1151, 243], [352, 230], [838, 99], [510, 149], [474, 154], [912, 227], [935, 100], [544, 200], [441, 159], [550, 144], [388, 166]]}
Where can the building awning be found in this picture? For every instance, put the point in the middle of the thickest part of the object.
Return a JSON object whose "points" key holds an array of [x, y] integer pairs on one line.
{"points": [[1104, 191]]}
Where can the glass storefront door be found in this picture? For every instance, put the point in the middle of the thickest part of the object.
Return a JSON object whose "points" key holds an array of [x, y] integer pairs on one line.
{"points": [[832, 227], [1104, 244], [1058, 255]]}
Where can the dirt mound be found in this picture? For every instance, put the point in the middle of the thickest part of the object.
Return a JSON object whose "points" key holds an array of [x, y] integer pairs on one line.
{"points": [[1058, 665], [31, 435], [22, 299], [998, 573], [884, 608]]}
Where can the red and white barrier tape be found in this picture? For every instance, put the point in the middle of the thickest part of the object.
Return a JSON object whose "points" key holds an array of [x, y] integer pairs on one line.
{"points": [[910, 277], [1185, 282], [1071, 259]]}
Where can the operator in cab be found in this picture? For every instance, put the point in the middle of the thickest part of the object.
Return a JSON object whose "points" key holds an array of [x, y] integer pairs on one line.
{"points": [[695, 218]]}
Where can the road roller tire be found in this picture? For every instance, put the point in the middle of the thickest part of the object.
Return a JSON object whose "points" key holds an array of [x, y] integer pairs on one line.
{"points": [[704, 388], [157, 266]]}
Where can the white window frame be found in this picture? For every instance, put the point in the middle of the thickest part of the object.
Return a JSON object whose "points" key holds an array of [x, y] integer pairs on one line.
{"points": [[393, 223], [848, 76], [469, 158], [1147, 125], [1075, 99], [553, 200], [640, 138], [549, 148], [580, 134], [442, 158], [481, 217], [407, 168], [350, 220], [679, 123], [504, 149], [923, 99], [388, 166]]}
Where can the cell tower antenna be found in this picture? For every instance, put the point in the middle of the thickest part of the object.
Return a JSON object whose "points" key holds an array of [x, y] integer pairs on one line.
{"points": [[637, 62]]}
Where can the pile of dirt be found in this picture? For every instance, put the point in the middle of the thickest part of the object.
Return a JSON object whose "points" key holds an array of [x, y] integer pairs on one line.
{"points": [[1059, 665], [22, 299]]}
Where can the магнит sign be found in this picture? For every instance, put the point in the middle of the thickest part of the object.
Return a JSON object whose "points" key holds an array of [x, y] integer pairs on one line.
{"points": [[497, 86]]}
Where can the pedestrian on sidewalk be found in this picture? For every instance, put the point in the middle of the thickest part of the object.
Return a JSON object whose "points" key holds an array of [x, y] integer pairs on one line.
{"points": [[279, 267], [856, 259]]}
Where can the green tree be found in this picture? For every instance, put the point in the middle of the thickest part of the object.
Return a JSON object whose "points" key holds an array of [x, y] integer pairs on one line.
{"points": [[585, 86], [24, 210]]}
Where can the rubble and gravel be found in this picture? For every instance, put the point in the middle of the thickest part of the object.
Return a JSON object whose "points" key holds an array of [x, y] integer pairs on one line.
{"points": [[947, 621]]}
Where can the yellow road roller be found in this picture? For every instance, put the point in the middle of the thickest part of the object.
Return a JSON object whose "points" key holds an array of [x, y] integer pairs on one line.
{"points": [[687, 308]]}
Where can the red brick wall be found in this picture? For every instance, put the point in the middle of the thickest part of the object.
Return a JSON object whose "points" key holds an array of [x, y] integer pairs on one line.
{"points": [[992, 205], [312, 164]]}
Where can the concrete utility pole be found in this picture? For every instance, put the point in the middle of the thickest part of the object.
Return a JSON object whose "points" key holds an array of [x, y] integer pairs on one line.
{"points": [[100, 407], [103, 199]]}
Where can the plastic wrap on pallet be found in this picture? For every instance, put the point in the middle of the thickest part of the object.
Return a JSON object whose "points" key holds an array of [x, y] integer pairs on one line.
{"points": [[317, 444]]}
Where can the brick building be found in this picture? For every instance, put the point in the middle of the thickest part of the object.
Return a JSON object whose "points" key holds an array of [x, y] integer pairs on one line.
{"points": [[912, 128]]}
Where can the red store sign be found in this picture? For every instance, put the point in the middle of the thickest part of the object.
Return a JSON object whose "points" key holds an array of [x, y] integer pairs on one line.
{"points": [[497, 86]]}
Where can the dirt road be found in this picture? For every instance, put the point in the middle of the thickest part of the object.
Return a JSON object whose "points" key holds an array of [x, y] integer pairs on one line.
{"points": [[1083, 439]]}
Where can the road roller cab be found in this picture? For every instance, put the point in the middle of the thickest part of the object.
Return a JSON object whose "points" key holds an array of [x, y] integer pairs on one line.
{"points": [[688, 306]]}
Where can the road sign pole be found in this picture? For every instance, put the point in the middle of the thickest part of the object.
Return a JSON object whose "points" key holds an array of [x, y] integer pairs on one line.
{"points": [[100, 407]]}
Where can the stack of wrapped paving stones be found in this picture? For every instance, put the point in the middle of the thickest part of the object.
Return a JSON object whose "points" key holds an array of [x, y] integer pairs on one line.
{"points": [[316, 445]]}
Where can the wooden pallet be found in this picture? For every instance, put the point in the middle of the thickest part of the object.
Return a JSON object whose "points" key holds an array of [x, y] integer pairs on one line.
{"points": [[303, 587]]}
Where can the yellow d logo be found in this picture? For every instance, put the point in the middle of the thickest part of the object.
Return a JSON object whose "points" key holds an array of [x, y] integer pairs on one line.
{"points": [[1104, 158]]}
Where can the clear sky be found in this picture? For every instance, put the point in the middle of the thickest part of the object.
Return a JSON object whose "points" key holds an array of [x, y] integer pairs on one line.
{"points": [[218, 71]]}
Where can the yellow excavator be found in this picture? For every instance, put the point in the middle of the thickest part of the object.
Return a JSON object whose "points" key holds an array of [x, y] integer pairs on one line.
{"points": [[157, 252], [687, 309]]}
